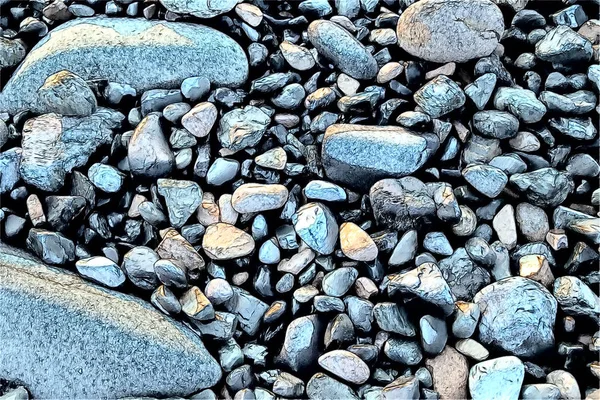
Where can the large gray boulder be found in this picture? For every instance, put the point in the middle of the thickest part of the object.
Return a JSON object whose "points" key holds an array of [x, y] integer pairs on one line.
{"points": [[450, 30], [140, 53], [360, 155], [65, 338]]}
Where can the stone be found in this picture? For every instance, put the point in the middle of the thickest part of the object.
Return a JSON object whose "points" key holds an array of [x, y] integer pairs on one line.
{"points": [[496, 124], [181, 197], [175, 364], [439, 96], [101, 270], [472, 349], [256, 197], [576, 298], [466, 319], [449, 371], [455, 31], [148, 152], [317, 227], [426, 282], [298, 57], [275, 158], [67, 94], [405, 250], [223, 241], [545, 187], [433, 334], [392, 318], [88, 47], [403, 351], [106, 177], [12, 52], [359, 155], [480, 91], [138, 264], [324, 191], [545, 391], [10, 168], [536, 267], [322, 386], [532, 222], [562, 45], [171, 273], [566, 383], [356, 244], [195, 305], [200, 120], [51, 247], [299, 348], [345, 365], [200, 8], [405, 387], [522, 103], [342, 49], [242, 127], [221, 171], [499, 378], [53, 145], [505, 226], [517, 316], [437, 243], [463, 276]]}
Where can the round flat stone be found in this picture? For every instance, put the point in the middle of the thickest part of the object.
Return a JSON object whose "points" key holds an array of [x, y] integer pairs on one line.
{"points": [[356, 244], [345, 365]]}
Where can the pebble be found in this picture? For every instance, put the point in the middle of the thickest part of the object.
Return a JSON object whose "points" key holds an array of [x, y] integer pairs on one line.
{"points": [[563, 45], [498, 378], [345, 365], [433, 334], [138, 264], [200, 120], [576, 298], [106, 178], [299, 346], [254, 197], [67, 94], [195, 305], [322, 386], [148, 152], [472, 349], [241, 128], [51, 247], [298, 57], [522, 103], [171, 273], [316, 225], [225, 242], [449, 372], [440, 96], [356, 244], [480, 91], [545, 187], [181, 197], [101, 270], [566, 384], [466, 319]]}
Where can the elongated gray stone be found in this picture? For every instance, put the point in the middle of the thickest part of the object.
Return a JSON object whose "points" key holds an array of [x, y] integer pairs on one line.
{"points": [[67, 338], [200, 8], [360, 155], [126, 51]]}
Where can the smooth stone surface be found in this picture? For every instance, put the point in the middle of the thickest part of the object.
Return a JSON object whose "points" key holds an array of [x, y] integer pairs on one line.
{"points": [[344, 51], [224, 242], [356, 244], [107, 324], [517, 316], [345, 365], [496, 379], [316, 225], [148, 152], [256, 197], [359, 155], [101, 270], [200, 8], [443, 31], [111, 48]]}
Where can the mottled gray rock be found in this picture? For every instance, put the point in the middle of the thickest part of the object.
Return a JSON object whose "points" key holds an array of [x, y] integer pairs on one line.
{"points": [[324, 191], [437, 243], [200, 120], [200, 8], [12, 52], [181, 197], [433, 334], [148, 152], [566, 383], [520, 102], [106, 177], [487, 180], [401, 204], [358, 155], [562, 45], [174, 363], [449, 371], [440, 96], [316, 225], [10, 169], [542, 391], [545, 187], [499, 378], [138, 264], [242, 127], [89, 47], [345, 365], [426, 282], [290, 97], [532, 222], [392, 318], [321, 386], [517, 316], [444, 31], [464, 277], [53, 145], [480, 91], [67, 94], [338, 45], [576, 128], [299, 348], [223, 241], [403, 351], [337, 282], [576, 298], [101, 270], [496, 124], [51, 247]]}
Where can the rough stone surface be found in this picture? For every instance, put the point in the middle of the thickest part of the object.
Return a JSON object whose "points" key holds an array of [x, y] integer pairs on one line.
{"points": [[107, 324], [444, 31], [517, 316], [200, 8], [88, 47], [358, 155], [449, 371]]}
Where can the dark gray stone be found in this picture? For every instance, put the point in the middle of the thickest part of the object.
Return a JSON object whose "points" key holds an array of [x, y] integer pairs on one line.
{"points": [[546, 187], [110, 48], [496, 124], [562, 45], [440, 96], [464, 277], [90, 353]]}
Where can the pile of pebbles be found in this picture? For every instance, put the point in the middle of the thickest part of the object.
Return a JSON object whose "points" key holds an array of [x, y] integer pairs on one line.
{"points": [[374, 199]]}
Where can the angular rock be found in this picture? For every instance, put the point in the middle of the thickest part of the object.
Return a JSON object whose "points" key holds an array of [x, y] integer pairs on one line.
{"points": [[181, 197], [176, 363], [242, 127], [576, 298], [496, 124], [65, 93], [88, 47], [358, 155], [562, 45], [54, 145], [444, 31], [480, 91], [51, 247], [321, 386], [106, 177], [299, 348], [463, 276], [317, 227], [338, 45], [200, 120], [517, 316], [10, 169], [101, 270], [439, 96], [522, 103], [545, 187]]}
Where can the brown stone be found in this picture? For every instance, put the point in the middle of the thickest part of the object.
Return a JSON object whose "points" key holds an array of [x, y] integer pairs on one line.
{"points": [[449, 371]]}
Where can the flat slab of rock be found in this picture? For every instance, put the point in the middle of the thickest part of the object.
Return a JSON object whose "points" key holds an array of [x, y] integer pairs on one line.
{"points": [[111, 48], [457, 30], [360, 155], [66, 338]]}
